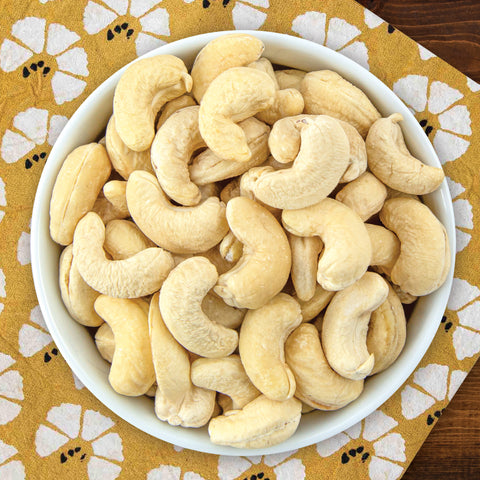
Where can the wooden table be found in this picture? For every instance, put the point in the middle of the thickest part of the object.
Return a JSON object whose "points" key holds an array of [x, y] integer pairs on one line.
{"points": [[451, 30]]}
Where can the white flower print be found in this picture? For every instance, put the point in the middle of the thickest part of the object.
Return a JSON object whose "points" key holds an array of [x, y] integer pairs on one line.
{"points": [[169, 472], [229, 468], [472, 85], [52, 43], [31, 129], [34, 338], [67, 422], [426, 98], [425, 54], [141, 17], [388, 447], [10, 469], [337, 34], [11, 391], [3, 293], [3, 198], [462, 210], [249, 14], [371, 19], [430, 385]]}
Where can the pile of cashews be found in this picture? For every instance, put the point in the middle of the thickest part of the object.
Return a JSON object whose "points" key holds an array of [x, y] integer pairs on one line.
{"points": [[217, 238]]}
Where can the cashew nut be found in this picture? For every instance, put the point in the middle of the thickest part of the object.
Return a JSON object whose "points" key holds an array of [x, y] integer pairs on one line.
{"points": [[225, 375], [131, 372], [137, 276], [404, 297], [256, 278], [289, 78], [235, 95], [390, 160], [172, 106], [105, 341], [227, 51], [177, 229], [221, 264], [231, 190], [115, 193], [177, 400], [219, 312], [230, 248], [385, 247], [106, 211], [327, 93], [141, 92], [124, 239], [311, 308], [209, 190], [345, 325], [391, 193], [261, 346], [77, 296], [271, 162], [181, 300], [76, 188], [365, 195], [387, 332], [347, 252], [317, 384], [260, 424]]}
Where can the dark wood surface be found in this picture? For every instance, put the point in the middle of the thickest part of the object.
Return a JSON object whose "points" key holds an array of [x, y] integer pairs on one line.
{"points": [[451, 30]]}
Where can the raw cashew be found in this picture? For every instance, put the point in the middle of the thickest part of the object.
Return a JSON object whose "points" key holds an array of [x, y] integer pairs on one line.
{"points": [[424, 259], [208, 167], [385, 247], [209, 190], [365, 195], [77, 296], [305, 252], [131, 372], [177, 400], [271, 162], [219, 312], [225, 375], [387, 332], [177, 229], [233, 96], [391, 193], [390, 160], [256, 278], [317, 384], [230, 248], [115, 193], [404, 297], [227, 51], [124, 160], [137, 276], [106, 211], [172, 106], [311, 308], [181, 300], [345, 325], [260, 424], [216, 258], [76, 188], [327, 93], [316, 171], [141, 92], [105, 341], [123, 239], [231, 190], [289, 78], [347, 252], [261, 346], [171, 151]]}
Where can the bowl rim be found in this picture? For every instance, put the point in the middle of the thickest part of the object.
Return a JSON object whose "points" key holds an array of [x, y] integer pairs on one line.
{"points": [[409, 364]]}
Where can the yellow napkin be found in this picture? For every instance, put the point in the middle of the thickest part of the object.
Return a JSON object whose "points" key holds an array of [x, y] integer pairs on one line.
{"points": [[53, 54]]}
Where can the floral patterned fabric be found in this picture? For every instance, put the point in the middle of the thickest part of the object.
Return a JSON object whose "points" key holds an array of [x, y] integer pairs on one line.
{"points": [[53, 54]]}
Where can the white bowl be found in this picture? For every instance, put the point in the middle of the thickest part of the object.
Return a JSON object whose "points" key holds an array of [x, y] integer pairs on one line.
{"points": [[76, 344]]}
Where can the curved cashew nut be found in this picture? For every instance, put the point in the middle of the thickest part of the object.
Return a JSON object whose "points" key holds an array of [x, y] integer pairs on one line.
{"points": [[255, 279], [177, 400], [219, 312], [424, 259], [231, 190], [387, 332], [385, 247], [131, 372], [390, 160], [365, 195], [227, 51], [311, 308], [208, 167], [271, 162], [106, 211], [172, 106], [181, 300], [264, 360], [405, 298], [115, 193], [289, 78], [230, 248], [76, 188], [260, 424], [227, 376], [327, 93], [216, 258], [317, 384], [105, 341], [347, 252], [171, 151], [209, 190], [316, 171], [124, 160], [305, 252], [345, 325], [235, 95], [141, 92], [77, 296], [123, 239], [391, 193], [177, 229], [137, 276]]}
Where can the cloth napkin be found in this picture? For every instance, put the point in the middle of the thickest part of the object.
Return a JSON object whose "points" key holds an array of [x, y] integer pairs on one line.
{"points": [[53, 54]]}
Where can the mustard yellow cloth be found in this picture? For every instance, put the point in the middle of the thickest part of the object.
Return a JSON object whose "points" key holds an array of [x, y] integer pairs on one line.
{"points": [[53, 54]]}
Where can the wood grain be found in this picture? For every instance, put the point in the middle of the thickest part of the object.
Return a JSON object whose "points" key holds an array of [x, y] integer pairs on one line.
{"points": [[451, 30]]}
